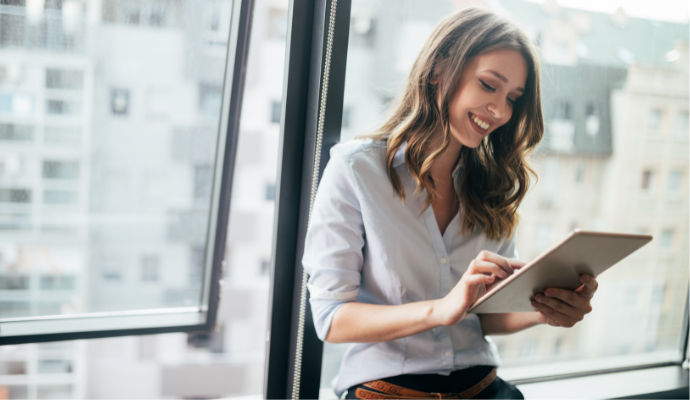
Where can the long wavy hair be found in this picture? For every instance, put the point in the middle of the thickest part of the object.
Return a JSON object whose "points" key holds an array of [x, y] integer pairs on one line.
{"points": [[497, 173]]}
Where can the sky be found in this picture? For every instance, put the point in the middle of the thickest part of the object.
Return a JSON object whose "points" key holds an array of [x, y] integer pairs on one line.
{"points": [[663, 10]]}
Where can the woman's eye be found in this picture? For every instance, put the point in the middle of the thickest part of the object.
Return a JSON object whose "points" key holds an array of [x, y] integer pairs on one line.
{"points": [[486, 86], [511, 102]]}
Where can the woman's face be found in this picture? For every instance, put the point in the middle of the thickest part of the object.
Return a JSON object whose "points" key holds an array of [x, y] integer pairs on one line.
{"points": [[489, 85]]}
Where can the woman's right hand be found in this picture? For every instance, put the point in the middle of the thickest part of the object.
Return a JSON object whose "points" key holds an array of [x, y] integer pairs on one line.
{"points": [[486, 270]]}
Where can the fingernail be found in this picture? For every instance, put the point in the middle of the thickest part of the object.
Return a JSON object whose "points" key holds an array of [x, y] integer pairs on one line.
{"points": [[539, 298], [585, 278]]}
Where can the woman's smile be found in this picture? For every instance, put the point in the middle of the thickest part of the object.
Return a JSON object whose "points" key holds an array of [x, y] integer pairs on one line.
{"points": [[479, 124]]}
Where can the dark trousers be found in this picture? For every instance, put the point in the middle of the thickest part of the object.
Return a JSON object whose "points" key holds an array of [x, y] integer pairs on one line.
{"points": [[456, 382]]}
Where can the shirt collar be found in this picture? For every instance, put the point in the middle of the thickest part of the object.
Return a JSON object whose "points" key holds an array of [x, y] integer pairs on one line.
{"points": [[399, 158]]}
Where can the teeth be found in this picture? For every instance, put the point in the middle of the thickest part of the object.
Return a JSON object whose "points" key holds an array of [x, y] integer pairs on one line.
{"points": [[481, 123]]}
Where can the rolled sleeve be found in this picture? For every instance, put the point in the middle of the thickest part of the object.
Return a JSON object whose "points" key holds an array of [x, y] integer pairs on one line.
{"points": [[333, 248]]}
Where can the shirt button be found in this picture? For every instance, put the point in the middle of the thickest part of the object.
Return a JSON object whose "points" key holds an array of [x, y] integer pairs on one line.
{"points": [[443, 260], [448, 353]]}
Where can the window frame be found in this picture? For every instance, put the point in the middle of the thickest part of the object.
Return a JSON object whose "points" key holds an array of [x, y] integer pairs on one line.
{"points": [[179, 319], [307, 39]]}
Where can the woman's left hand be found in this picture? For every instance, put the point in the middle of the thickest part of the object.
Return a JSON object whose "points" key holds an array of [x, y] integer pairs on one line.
{"points": [[562, 307]]}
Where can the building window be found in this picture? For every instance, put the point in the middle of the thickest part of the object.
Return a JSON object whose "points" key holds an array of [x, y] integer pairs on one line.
{"points": [[18, 133], [54, 391], [655, 120], [61, 135], [666, 240], [580, 172], [362, 31], [157, 15], [196, 265], [60, 197], [111, 268], [675, 179], [647, 180], [149, 268], [60, 169], [592, 120], [563, 110], [265, 266], [682, 125], [210, 98], [14, 282], [58, 282], [12, 368], [119, 101], [270, 192], [346, 117], [54, 366], [63, 107], [64, 79], [275, 112], [203, 175], [15, 196]]}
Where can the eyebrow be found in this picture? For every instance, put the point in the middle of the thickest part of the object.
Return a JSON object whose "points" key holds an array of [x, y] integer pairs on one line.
{"points": [[504, 79]]}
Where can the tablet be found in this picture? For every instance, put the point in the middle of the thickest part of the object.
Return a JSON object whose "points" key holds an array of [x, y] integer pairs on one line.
{"points": [[559, 267]]}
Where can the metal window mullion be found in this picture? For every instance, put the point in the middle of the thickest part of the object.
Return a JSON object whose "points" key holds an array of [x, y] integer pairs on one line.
{"points": [[294, 369]]}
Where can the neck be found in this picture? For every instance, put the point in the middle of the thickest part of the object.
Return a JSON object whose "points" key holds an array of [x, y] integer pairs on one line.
{"points": [[443, 167]]}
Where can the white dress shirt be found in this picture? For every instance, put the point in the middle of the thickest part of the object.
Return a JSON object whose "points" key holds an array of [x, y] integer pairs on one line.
{"points": [[365, 245]]}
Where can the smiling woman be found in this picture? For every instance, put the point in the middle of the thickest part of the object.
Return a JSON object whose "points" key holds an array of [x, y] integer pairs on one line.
{"points": [[396, 270]]}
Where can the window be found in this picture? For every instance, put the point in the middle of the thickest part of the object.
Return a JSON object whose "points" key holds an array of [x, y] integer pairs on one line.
{"points": [[275, 112], [62, 135], [346, 117], [682, 128], [270, 192], [580, 172], [63, 107], [14, 282], [60, 197], [119, 101], [655, 120], [12, 368], [210, 98], [363, 31], [15, 195], [675, 180], [203, 175], [149, 268], [139, 188], [666, 240], [14, 132], [647, 183], [591, 120], [58, 282], [581, 120], [64, 79], [60, 169]]}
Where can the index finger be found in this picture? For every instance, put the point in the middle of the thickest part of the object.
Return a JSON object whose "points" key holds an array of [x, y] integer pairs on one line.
{"points": [[505, 264]]}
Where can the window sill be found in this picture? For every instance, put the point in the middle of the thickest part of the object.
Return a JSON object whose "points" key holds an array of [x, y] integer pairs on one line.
{"points": [[649, 383]]}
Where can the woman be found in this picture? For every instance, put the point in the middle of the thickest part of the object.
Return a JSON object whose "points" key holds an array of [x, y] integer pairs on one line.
{"points": [[412, 223]]}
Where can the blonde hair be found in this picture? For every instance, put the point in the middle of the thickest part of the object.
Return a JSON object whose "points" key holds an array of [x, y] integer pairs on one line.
{"points": [[497, 172]]}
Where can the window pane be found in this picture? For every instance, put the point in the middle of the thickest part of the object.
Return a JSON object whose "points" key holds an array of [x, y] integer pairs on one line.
{"points": [[601, 107], [156, 166], [107, 162]]}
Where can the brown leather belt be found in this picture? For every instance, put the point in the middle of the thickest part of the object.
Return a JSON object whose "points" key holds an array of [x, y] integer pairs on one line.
{"points": [[385, 390]]}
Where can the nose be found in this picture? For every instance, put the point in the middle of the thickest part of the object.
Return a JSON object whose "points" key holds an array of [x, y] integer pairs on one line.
{"points": [[497, 109]]}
